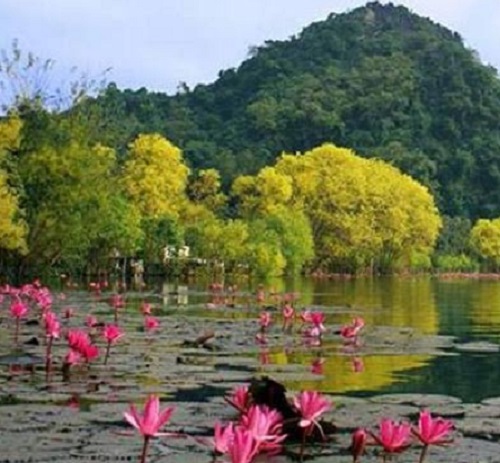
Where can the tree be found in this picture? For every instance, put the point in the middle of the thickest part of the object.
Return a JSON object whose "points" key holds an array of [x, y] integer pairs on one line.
{"points": [[74, 204], [26, 81], [485, 239], [356, 218], [205, 189], [155, 176], [12, 226], [263, 193]]}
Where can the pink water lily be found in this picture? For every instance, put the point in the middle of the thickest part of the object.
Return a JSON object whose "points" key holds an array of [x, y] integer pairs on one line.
{"points": [[244, 446], [151, 323], [432, 431], [311, 405], [239, 398], [358, 443], [265, 426], [352, 330], [111, 333], [18, 310], [223, 437], [150, 421], [288, 313], [393, 436], [265, 319]]}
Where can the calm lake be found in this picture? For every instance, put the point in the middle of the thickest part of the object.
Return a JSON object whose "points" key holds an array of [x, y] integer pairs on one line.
{"points": [[467, 309]]}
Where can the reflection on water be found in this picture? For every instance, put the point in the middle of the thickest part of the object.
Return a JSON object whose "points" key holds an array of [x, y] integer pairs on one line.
{"points": [[466, 309]]}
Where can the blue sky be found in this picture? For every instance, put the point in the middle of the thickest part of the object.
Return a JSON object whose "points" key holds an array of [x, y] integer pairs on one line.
{"points": [[158, 43]]}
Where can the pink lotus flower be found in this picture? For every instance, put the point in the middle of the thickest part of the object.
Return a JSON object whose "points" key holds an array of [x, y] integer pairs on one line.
{"points": [[264, 319], [244, 447], [52, 325], [317, 366], [223, 437], [77, 339], [52, 331], [89, 352], [305, 316], [311, 405], [152, 418], [240, 398], [288, 312], [150, 422], [318, 319], [112, 333], [393, 436], [146, 308], [358, 366], [352, 330], [116, 301], [265, 426], [432, 432], [18, 309], [358, 444], [72, 357], [151, 323]]}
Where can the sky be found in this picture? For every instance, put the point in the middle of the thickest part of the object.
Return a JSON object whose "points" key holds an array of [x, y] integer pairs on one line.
{"points": [[158, 44]]}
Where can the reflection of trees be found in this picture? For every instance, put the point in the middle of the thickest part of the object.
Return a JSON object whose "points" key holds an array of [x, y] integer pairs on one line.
{"points": [[339, 376], [391, 301], [397, 302], [485, 306]]}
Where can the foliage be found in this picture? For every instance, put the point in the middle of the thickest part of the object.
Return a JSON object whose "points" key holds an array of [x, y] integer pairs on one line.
{"points": [[356, 218], [154, 176], [73, 202], [379, 79], [205, 189], [455, 263], [485, 239], [12, 226]]}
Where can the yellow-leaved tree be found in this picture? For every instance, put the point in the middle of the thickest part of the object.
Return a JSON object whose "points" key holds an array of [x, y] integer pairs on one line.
{"points": [[485, 239], [363, 212], [155, 176], [12, 228], [263, 193]]}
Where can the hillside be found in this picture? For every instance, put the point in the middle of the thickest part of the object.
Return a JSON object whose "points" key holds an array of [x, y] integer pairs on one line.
{"points": [[379, 79]]}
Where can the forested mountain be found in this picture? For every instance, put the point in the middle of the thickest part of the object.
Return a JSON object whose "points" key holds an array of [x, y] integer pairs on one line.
{"points": [[378, 79]]}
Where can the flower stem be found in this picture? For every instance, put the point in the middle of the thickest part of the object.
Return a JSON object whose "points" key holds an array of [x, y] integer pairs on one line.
{"points": [[302, 445], [144, 449], [423, 453], [107, 353], [16, 334], [48, 360]]}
